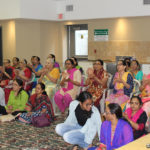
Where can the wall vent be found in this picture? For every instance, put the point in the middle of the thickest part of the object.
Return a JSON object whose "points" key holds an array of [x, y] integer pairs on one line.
{"points": [[69, 7], [145, 2]]}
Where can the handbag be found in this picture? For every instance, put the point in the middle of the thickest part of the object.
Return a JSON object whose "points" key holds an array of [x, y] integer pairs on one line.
{"points": [[40, 121]]}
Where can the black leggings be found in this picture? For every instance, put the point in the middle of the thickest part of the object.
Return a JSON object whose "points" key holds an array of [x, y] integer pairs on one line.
{"points": [[4, 112]]}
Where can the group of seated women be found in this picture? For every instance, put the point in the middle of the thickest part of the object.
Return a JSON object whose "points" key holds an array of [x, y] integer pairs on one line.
{"points": [[27, 107], [119, 128], [84, 119]]}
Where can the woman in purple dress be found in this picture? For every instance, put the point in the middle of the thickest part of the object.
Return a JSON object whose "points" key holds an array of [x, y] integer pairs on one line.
{"points": [[115, 132]]}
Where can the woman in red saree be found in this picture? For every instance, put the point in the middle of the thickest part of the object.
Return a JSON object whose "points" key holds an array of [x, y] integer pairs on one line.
{"points": [[97, 81], [38, 104]]}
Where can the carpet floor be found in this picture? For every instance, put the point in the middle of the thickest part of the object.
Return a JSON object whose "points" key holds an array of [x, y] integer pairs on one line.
{"points": [[17, 136]]}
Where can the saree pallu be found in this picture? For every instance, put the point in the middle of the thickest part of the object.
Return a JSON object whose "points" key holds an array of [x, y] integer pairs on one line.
{"points": [[145, 107], [121, 94], [95, 88], [37, 104], [50, 87], [140, 118], [69, 87], [69, 91]]}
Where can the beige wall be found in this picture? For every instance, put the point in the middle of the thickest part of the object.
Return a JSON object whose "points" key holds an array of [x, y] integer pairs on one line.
{"points": [[131, 29], [127, 37], [8, 38], [24, 38], [49, 39], [27, 38]]}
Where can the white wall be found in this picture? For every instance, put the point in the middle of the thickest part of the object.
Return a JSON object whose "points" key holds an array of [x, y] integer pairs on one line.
{"points": [[92, 9], [38, 9], [9, 9], [83, 9]]}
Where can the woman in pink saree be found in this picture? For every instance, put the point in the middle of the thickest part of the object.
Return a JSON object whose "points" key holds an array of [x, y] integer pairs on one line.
{"points": [[70, 84]]}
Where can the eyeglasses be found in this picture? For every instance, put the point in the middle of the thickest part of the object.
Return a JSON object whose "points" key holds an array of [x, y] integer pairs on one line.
{"points": [[136, 103], [119, 64], [67, 63], [96, 64], [107, 113], [87, 105], [14, 84]]}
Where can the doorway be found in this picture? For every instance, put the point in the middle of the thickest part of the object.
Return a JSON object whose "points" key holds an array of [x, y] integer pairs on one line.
{"points": [[77, 41]]}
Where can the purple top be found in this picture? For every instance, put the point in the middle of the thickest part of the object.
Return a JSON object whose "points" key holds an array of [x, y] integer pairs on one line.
{"points": [[122, 136]]}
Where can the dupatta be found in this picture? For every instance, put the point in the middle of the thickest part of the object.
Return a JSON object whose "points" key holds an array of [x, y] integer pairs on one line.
{"points": [[36, 104], [119, 86], [71, 76], [123, 134], [136, 115]]}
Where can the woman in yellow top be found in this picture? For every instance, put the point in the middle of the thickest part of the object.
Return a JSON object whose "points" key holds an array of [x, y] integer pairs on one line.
{"points": [[122, 85], [17, 99], [49, 77]]}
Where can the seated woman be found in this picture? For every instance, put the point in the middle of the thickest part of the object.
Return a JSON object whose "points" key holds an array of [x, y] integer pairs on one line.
{"points": [[122, 85], [71, 81], [76, 64], [136, 116], [38, 104], [24, 74], [97, 82], [145, 96], [115, 132], [135, 70], [56, 64], [17, 99], [128, 64], [7, 78], [83, 122], [15, 62], [37, 69], [7, 73], [49, 77]]}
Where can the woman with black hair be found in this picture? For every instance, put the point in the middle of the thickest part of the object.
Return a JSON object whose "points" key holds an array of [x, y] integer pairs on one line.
{"points": [[97, 82], [122, 85], [83, 122], [24, 74], [36, 69], [115, 132], [38, 104], [70, 83], [76, 64], [15, 62], [135, 70], [136, 116], [17, 99], [128, 63]]}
